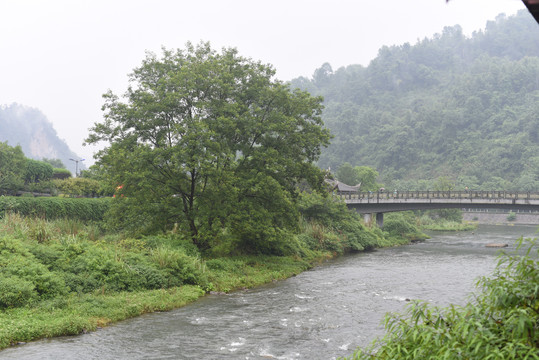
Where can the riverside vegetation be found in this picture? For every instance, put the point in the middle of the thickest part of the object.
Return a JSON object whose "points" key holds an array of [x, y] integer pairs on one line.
{"points": [[62, 276], [212, 163], [501, 322]]}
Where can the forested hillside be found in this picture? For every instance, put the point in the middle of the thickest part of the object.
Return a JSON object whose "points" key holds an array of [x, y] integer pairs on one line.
{"points": [[29, 128], [466, 108]]}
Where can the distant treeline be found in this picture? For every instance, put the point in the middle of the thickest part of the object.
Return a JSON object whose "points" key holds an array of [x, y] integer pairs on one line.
{"points": [[465, 108]]}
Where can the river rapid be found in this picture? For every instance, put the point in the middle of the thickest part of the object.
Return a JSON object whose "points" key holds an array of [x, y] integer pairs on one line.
{"points": [[323, 313]]}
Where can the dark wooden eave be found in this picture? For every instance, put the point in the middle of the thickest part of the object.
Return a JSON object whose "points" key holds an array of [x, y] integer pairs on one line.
{"points": [[533, 8]]}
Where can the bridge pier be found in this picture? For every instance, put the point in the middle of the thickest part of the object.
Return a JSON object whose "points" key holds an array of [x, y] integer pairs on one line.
{"points": [[380, 219], [369, 217]]}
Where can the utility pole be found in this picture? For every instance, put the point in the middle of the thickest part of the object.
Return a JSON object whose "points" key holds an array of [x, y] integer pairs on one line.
{"points": [[77, 166]]}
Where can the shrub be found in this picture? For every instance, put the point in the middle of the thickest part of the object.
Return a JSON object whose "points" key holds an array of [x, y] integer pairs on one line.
{"points": [[79, 187], [15, 291], [61, 174], [322, 208], [17, 261], [318, 237], [183, 269], [37, 171], [511, 216], [402, 225], [357, 237], [447, 214], [56, 208]]}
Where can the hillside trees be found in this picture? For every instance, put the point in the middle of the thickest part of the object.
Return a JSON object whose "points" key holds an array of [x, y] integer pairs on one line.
{"points": [[210, 142], [448, 106]]}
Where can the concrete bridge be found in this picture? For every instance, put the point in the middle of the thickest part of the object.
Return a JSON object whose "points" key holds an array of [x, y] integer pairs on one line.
{"points": [[375, 204]]}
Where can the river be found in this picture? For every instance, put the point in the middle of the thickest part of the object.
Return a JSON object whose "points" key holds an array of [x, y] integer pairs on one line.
{"points": [[323, 313]]}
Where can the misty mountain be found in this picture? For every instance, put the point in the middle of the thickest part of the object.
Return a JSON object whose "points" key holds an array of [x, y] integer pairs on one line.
{"points": [[462, 107], [30, 128]]}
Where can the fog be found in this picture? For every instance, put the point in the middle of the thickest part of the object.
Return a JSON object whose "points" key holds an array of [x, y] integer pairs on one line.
{"points": [[60, 56]]}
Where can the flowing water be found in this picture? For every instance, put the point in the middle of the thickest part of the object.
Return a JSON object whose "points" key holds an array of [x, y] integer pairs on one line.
{"points": [[323, 313]]}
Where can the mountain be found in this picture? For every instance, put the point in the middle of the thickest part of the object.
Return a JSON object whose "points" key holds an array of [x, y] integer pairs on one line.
{"points": [[29, 128], [466, 108]]}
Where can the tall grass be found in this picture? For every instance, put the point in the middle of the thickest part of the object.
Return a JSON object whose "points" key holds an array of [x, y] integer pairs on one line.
{"points": [[42, 230]]}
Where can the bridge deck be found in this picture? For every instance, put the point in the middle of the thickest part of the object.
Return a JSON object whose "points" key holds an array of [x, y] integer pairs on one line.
{"points": [[373, 202]]}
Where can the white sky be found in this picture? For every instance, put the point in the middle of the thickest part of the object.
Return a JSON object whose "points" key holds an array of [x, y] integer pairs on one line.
{"points": [[60, 56]]}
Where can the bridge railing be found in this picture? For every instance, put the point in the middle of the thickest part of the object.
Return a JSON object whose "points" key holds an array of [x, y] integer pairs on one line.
{"points": [[470, 194]]}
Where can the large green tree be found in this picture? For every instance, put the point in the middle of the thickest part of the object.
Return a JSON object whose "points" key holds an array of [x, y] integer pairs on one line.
{"points": [[210, 142], [363, 175], [12, 168]]}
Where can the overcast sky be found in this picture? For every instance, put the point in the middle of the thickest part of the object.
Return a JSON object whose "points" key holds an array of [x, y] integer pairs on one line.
{"points": [[60, 56]]}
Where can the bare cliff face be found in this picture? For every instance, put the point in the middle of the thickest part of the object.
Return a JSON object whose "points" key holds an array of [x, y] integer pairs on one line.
{"points": [[41, 146], [30, 128]]}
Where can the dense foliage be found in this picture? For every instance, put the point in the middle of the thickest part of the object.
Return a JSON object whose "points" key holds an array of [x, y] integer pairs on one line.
{"points": [[66, 276], [80, 187], [461, 107], [50, 208], [12, 168], [353, 175], [37, 171], [21, 174], [210, 143], [501, 323]]}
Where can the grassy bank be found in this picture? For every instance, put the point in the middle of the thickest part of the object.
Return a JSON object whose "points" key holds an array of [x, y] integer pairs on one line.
{"points": [[78, 313], [450, 226], [445, 220], [65, 277]]}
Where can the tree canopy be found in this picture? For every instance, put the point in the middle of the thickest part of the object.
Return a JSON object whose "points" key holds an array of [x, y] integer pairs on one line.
{"points": [[209, 142], [353, 175], [12, 168]]}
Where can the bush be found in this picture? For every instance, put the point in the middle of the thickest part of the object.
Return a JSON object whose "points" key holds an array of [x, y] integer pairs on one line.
{"points": [[61, 174], [331, 226], [79, 187], [402, 225], [511, 216], [15, 292], [358, 238], [323, 209], [446, 214], [56, 208], [182, 269], [17, 261], [37, 171]]}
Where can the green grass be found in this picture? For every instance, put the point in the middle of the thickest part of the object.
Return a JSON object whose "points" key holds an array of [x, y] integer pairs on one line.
{"points": [[450, 226], [76, 314]]}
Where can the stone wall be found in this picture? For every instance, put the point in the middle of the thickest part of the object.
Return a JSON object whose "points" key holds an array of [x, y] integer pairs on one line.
{"points": [[501, 218]]}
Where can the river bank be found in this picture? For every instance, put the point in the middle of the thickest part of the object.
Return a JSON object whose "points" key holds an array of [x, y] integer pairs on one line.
{"points": [[81, 313], [493, 218], [44, 294], [322, 313]]}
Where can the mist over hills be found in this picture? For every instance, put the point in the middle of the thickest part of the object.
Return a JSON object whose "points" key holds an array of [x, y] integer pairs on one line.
{"points": [[30, 128], [466, 108]]}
